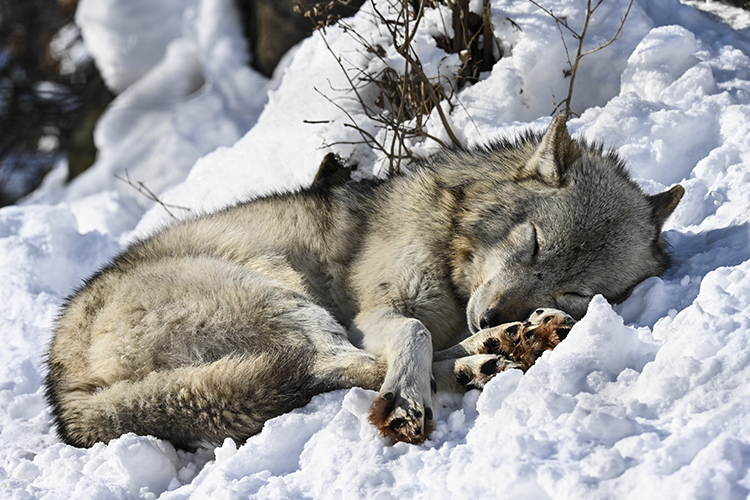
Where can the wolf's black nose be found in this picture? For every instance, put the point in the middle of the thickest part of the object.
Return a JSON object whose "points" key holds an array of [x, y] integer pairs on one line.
{"points": [[490, 318]]}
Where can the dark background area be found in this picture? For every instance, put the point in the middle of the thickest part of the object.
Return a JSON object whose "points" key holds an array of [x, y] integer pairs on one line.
{"points": [[43, 96]]}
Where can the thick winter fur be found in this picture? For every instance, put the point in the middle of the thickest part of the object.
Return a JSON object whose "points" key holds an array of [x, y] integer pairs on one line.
{"points": [[214, 325]]}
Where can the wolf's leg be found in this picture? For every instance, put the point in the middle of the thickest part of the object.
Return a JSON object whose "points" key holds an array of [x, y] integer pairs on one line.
{"points": [[402, 410], [489, 341], [469, 372]]}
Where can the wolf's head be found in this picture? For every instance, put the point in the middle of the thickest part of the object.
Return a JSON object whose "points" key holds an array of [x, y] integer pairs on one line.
{"points": [[549, 221]]}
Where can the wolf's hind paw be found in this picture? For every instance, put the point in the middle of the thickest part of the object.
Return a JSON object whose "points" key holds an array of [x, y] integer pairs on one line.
{"points": [[399, 419], [473, 372]]}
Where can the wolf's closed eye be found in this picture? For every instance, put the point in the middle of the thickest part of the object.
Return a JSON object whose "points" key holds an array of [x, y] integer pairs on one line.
{"points": [[577, 296], [575, 303], [528, 243], [535, 243]]}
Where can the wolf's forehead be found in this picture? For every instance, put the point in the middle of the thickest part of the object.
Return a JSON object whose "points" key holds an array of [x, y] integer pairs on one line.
{"points": [[608, 223], [603, 197]]}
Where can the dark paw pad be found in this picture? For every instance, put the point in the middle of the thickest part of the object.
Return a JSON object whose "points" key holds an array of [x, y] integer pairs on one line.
{"points": [[463, 378], [489, 368]]}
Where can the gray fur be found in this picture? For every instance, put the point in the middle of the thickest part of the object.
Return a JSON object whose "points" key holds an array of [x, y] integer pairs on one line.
{"points": [[214, 325]]}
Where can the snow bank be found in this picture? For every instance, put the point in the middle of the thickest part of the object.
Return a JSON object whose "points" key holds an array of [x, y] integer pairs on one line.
{"points": [[647, 399]]}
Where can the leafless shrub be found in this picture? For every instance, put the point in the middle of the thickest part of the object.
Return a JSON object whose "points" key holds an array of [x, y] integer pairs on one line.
{"points": [[400, 102]]}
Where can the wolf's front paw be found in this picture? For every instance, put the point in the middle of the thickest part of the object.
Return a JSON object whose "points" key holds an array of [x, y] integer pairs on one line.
{"points": [[525, 342], [473, 372], [401, 418]]}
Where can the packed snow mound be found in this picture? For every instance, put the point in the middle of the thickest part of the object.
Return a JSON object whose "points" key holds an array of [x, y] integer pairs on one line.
{"points": [[645, 399]]}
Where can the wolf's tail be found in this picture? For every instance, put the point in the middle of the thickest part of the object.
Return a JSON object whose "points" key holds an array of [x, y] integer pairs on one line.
{"points": [[190, 406]]}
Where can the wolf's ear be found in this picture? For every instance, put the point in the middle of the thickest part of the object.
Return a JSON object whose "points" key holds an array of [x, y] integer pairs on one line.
{"points": [[555, 151], [663, 204]]}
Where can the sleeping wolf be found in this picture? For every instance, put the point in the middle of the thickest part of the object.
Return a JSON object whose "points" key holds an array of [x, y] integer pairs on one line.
{"points": [[214, 325]]}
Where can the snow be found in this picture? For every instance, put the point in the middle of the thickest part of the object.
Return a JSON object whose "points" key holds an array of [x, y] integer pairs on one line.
{"points": [[646, 399]]}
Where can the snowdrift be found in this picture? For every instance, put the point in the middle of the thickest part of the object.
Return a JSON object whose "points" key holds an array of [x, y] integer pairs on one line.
{"points": [[646, 399]]}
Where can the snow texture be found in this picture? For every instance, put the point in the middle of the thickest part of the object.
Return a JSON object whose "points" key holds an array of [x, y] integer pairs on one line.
{"points": [[648, 399]]}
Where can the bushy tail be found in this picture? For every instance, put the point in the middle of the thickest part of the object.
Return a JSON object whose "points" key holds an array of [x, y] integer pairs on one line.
{"points": [[189, 406]]}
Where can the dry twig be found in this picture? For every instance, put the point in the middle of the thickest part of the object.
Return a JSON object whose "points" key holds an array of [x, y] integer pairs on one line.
{"points": [[145, 191], [572, 71]]}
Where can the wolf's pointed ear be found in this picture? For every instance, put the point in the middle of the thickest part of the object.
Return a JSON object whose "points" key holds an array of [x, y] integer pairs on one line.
{"points": [[663, 204], [555, 151]]}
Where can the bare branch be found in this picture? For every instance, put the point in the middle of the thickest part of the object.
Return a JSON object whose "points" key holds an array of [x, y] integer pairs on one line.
{"points": [[565, 45], [352, 85], [145, 191], [593, 9], [617, 35], [367, 137], [417, 67], [562, 22], [399, 112], [581, 37]]}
